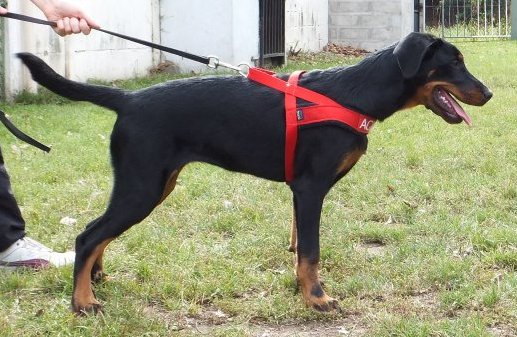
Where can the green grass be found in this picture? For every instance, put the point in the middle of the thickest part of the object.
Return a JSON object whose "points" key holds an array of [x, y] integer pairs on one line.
{"points": [[420, 239]]}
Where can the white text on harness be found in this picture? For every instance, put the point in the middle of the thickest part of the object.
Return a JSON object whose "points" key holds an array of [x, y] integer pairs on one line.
{"points": [[366, 124]]}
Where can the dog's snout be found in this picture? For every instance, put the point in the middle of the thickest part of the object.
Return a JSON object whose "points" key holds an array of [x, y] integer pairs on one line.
{"points": [[487, 93]]}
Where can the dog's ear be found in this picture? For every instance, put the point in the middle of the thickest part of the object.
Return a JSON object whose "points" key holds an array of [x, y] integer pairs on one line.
{"points": [[411, 50]]}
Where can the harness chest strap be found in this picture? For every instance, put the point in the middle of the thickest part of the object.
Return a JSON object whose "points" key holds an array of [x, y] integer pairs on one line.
{"points": [[323, 110]]}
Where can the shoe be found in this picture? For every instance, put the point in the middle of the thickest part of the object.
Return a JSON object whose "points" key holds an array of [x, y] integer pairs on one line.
{"points": [[29, 253]]}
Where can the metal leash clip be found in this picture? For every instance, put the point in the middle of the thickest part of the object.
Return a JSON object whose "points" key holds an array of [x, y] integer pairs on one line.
{"points": [[214, 63]]}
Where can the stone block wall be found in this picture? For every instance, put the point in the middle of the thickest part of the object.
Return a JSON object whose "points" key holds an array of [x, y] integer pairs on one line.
{"points": [[369, 24]]}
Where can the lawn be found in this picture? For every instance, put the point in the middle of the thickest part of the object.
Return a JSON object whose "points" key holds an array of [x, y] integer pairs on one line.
{"points": [[420, 239]]}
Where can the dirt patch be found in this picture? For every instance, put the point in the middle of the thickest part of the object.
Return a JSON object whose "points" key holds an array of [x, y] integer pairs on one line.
{"points": [[211, 318], [501, 331], [165, 67], [347, 327], [345, 50], [372, 248]]}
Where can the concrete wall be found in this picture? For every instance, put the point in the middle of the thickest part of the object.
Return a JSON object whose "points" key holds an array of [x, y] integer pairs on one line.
{"points": [[226, 28], [369, 24], [230, 28], [96, 56], [306, 24]]}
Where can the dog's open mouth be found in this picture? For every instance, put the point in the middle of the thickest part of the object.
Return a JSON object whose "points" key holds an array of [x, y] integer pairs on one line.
{"points": [[448, 107]]}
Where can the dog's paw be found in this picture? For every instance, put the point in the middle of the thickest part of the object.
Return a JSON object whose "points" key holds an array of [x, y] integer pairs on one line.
{"points": [[87, 306], [92, 308], [100, 276], [325, 304]]}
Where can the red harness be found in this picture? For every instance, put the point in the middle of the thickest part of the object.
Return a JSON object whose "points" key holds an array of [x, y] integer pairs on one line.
{"points": [[323, 110]]}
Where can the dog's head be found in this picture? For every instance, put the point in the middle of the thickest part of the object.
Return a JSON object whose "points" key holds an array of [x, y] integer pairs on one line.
{"points": [[436, 69]]}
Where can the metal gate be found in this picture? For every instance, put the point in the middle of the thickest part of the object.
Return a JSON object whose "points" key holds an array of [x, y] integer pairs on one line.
{"points": [[468, 18], [272, 32]]}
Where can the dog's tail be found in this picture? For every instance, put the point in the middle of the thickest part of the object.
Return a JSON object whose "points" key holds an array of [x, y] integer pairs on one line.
{"points": [[111, 98]]}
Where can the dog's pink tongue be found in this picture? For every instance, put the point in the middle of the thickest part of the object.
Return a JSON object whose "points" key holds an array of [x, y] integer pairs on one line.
{"points": [[458, 109]]}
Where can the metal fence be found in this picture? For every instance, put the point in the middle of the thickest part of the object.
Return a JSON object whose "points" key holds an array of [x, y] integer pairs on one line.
{"points": [[468, 18], [272, 32]]}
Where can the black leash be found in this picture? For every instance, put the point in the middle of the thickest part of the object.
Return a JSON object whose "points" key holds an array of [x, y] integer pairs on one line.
{"points": [[197, 58], [209, 61], [20, 135]]}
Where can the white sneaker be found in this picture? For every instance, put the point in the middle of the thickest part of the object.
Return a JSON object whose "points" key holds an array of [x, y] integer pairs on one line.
{"points": [[29, 253]]}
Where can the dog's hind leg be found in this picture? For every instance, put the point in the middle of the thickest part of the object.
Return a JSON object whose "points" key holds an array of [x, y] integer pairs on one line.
{"points": [[308, 206], [131, 202], [98, 274]]}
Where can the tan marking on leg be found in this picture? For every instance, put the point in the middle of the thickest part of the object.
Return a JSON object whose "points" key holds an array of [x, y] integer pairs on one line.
{"points": [[292, 240], [99, 273], [350, 159], [312, 292], [83, 297], [171, 183]]}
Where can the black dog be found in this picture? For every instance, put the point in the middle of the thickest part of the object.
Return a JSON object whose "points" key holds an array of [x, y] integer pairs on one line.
{"points": [[239, 125]]}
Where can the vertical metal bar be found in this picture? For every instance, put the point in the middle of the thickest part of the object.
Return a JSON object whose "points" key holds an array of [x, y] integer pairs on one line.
{"points": [[448, 18], [457, 22], [261, 33], [272, 19], [465, 20], [424, 23], [491, 17], [268, 27], [506, 17], [478, 16], [499, 17], [416, 15], [443, 18], [484, 3]]}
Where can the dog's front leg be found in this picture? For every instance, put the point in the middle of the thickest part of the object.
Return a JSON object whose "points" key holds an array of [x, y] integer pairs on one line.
{"points": [[308, 204], [292, 240]]}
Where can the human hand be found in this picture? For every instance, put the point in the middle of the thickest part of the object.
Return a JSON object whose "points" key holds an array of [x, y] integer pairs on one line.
{"points": [[3, 10], [69, 18]]}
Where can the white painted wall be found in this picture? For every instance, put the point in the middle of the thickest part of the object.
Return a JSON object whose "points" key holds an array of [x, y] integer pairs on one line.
{"points": [[306, 24], [96, 56], [225, 28]]}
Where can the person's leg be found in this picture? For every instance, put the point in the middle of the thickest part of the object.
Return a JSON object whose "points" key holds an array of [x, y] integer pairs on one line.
{"points": [[17, 250], [12, 225]]}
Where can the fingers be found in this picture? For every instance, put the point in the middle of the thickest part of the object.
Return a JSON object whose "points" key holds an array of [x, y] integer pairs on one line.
{"points": [[67, 26], [3, 10], [84, 27], [89, 21], [60, 28]]}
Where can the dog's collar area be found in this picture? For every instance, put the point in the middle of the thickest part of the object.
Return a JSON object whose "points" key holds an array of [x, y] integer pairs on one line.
{"points": [[323, 110]]}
